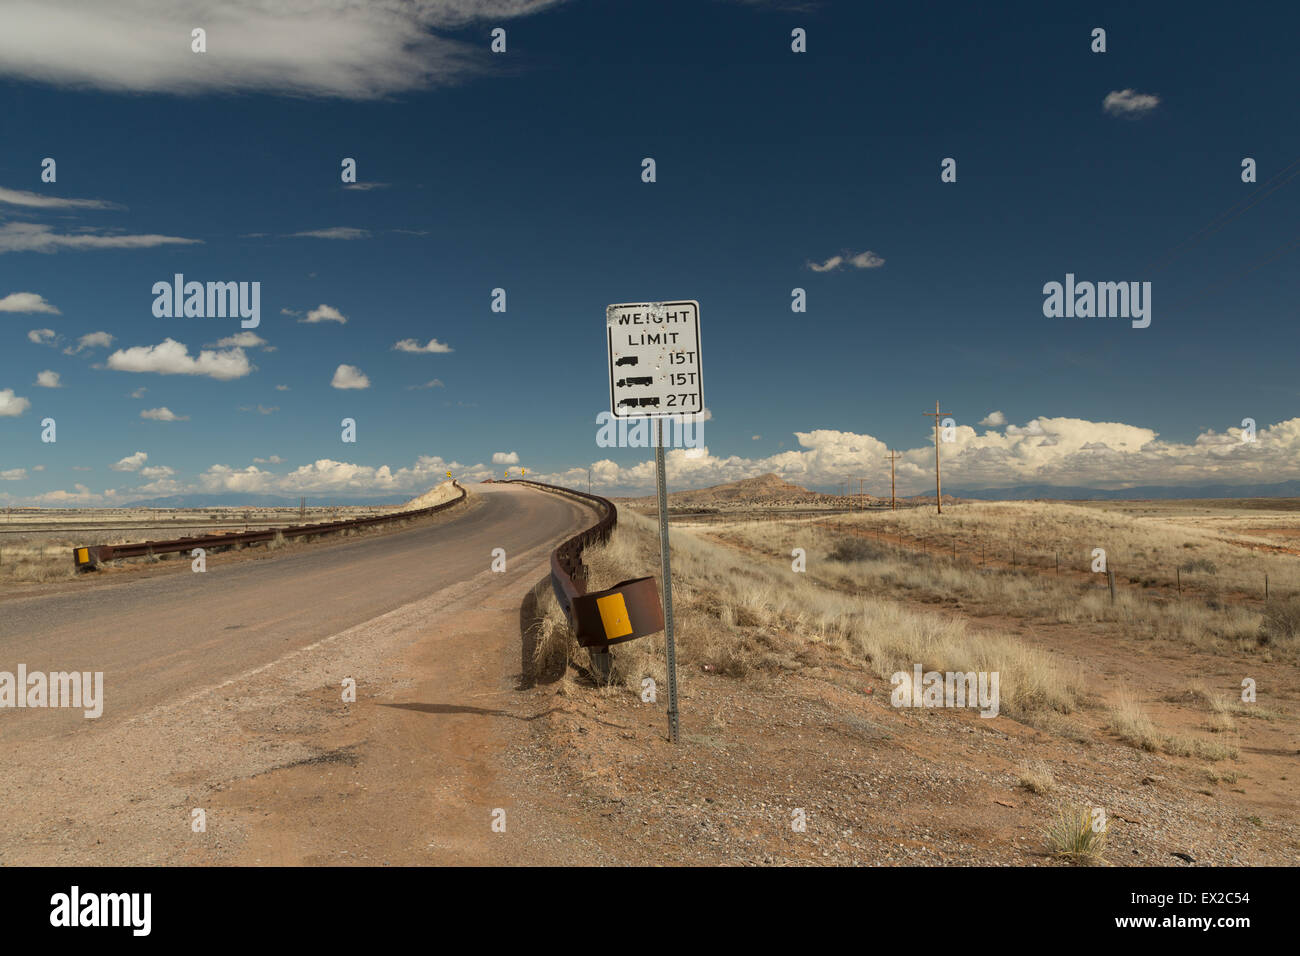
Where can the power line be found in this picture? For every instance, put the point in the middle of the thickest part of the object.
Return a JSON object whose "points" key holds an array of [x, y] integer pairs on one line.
{"points": [[1225, 217]]}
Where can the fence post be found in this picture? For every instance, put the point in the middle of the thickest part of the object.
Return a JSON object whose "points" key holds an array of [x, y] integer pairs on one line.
{"points": [[1110, 576]]}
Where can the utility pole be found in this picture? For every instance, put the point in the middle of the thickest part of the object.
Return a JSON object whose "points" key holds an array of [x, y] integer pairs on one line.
{"points": [[938, 493], [588, 481], [892, 456]]}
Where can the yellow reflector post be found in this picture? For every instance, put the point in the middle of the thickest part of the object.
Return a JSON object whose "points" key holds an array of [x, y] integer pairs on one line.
{"points": [[613, 615], [83, 555]]}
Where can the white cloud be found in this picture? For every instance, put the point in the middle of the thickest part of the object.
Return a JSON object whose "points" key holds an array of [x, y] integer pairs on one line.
{"points": [[93, 340], [241, 340], [82, 497], [1050, 451], [35, 237], [26, 302], [11, 405], [29, 200], [366, 187], [261, 409], [42, 336], [861, 260], [48, 379], [163, 414], [505, 458], [349, 376], [131, 462], [866, 260], [273, 460], [333, 232], [282, 388], [139, 392], [157, 471], [834, 262], [413, 345], [170, 357], [1129, 103], [431, 383], [356, 49], [13, 474], [994, 419], [325, 313]]}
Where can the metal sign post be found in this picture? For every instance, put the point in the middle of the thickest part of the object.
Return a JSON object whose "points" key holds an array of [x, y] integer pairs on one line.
{"points": [[666, 564]]}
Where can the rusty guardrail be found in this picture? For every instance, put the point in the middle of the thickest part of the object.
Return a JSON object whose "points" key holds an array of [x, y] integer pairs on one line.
{"points": [[628, 610], [87, 558]]}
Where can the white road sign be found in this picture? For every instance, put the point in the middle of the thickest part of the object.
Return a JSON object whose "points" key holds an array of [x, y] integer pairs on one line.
{"points": [[654, 359]]}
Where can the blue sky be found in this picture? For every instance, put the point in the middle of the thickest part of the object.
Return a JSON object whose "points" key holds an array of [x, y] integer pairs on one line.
{"points": [[522, 171]]}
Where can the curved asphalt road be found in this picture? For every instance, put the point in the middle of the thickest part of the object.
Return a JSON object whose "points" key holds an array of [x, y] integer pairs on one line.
{"points": [[161, 637]]}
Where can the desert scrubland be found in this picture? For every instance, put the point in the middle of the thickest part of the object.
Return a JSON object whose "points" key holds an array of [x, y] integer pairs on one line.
{"points": [[1134, 707]]}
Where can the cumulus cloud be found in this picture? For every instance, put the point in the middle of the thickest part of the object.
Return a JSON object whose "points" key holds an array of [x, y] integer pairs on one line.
{"points": [[131, 462], [26, 302], [36, 237], [242, 340], [170, 357], [11, 405], [349, 376], [42, 336], [13, 474], [1129, 103], [325, 313], [157, 471], [48, 379], [413, 345], [163, 414], [273, 460], [505, 458], [994, 419], [1047, 450], [354, 49], [431, 383], [93, 340]]}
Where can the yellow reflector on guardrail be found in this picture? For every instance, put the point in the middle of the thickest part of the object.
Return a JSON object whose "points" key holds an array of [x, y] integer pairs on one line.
{"points": [[613, 615], [83, 555]]}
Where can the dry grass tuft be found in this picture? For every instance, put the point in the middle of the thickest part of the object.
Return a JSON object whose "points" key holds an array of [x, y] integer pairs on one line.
{"points": [[1070, 835], [1036, 777]]}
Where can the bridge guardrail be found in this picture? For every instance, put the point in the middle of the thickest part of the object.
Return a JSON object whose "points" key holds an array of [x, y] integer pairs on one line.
{"points": [[91, 556], [628, 610]]}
